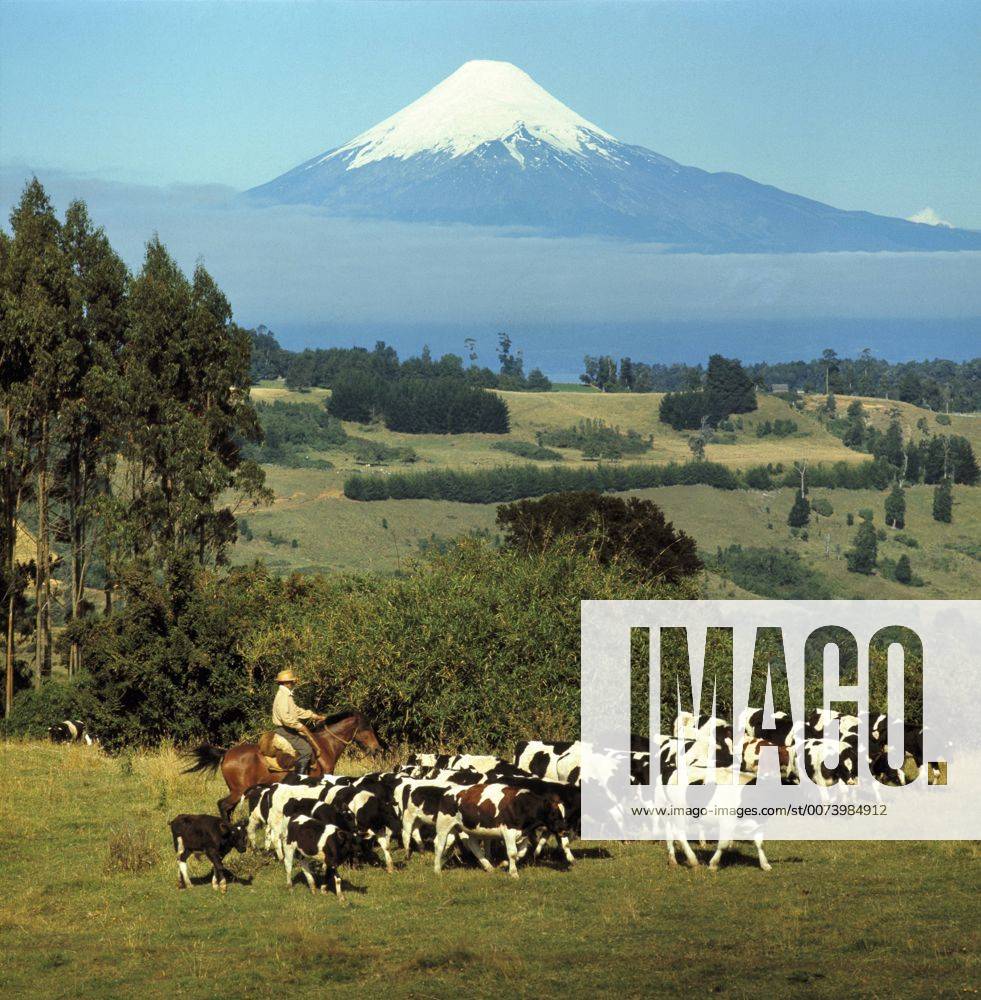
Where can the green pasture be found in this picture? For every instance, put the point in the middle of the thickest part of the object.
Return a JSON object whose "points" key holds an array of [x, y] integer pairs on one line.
{"points": [[334, 533], [532, 412], [831, 920]]}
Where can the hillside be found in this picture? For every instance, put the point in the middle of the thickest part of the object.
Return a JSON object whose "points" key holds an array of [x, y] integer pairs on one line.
{"points": [[534, 412], [339, 535]]}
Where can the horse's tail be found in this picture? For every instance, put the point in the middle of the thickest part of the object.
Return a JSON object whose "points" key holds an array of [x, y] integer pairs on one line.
{"points": [[207, 757]]}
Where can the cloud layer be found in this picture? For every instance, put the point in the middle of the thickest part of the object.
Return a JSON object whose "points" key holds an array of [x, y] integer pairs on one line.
{"points": [[297, 269], [928, 217]]}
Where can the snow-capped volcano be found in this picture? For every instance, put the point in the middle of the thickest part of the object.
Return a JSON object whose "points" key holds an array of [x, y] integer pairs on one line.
{"points": [[489, 146], [483, 101]]}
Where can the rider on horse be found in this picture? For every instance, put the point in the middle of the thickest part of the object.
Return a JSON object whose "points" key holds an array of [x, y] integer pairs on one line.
{"points": [[288, 718]]}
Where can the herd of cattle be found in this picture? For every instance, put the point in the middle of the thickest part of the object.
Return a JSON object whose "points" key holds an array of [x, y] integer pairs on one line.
{"points": [[523, 803]]}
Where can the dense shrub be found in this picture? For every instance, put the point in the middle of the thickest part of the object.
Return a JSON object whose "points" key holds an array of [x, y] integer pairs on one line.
{"points": [[35, 709], [166, 663], [477, 648], [597, 439], [525, 449], [778, 428], [774, 573], [291, 431], [377, 453], [683, 411], [633, 531]]}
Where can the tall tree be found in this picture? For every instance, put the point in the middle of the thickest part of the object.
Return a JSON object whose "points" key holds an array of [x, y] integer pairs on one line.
{"points": [[864, 553], [943, 502], [16, 455], [896, 507], [38, 296], [87, 425], [728, 389], [186, 410], [800, 512]]}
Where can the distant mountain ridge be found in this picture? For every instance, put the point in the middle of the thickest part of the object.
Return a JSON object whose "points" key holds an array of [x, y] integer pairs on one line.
{"points": [[488, 146]]}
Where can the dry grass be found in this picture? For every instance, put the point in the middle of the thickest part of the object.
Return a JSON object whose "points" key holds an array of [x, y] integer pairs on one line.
{"points": [[132, 849]]}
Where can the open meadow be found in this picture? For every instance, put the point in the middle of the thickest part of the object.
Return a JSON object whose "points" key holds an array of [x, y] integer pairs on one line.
{"points": [[310, 525], [91, 908]]}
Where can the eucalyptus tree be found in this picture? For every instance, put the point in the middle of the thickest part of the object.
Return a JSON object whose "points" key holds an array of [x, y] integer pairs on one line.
{"points": [[185, 413], [37, 298], [91, 403]]}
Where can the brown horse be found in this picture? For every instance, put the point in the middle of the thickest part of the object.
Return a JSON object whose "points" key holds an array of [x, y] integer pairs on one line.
{"points": [[243, 766]]}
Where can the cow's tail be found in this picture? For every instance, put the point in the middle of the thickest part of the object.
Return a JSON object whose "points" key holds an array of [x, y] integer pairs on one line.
{"points": [[207, 757]]}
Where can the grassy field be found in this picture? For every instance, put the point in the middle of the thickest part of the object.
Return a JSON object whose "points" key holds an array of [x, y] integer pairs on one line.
{"points": [[532, 412], [831, 920], [337, 534]]}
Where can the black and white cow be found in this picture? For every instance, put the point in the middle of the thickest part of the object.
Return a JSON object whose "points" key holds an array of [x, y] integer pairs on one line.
{"points": [[817, 755], [456, 761], [751, 725], [326, 837], [417, 802], [515, 816], [205, 836], [551, 761], [288, 791], [369, 802], [753, 750], [70, 731]]}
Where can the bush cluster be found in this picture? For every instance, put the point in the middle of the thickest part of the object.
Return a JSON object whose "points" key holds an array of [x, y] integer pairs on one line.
{"points": [[610, 529], [475, 647], [775, 573], [778, 428], [597, 439], [525, 449]]}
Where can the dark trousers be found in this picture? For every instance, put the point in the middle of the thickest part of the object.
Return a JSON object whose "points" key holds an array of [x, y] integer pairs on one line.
{"points": [[300, 745]]}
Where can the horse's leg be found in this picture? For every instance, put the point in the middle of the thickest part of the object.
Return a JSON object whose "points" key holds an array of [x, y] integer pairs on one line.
{"points": [[226, 806]]}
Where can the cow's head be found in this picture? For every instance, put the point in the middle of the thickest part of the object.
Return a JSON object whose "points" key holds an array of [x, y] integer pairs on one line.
{"points": [[238, 836], [554, 817]]}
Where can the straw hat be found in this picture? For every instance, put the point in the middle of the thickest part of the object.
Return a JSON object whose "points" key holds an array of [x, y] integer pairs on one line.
{"points": [[286, 677]]}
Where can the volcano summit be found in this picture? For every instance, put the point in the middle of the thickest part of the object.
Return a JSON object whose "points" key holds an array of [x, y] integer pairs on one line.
{"points": [[488, 146]]}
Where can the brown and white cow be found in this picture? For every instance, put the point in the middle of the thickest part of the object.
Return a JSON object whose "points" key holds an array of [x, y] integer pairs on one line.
{"points": [[515, 816]]}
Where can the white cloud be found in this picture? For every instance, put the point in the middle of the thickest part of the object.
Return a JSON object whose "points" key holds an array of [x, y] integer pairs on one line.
{"points": [[928, 217]]}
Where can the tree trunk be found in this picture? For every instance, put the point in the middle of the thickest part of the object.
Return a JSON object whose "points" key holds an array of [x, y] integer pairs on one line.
{"points": [[8, 702], [77, 536], [42, 563]]}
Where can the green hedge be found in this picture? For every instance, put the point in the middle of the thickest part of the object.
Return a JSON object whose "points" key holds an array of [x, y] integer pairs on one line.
{"points": [[515, 482]]}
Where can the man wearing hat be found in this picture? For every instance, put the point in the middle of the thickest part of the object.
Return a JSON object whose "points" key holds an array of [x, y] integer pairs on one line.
{"points": [[288, 718]]}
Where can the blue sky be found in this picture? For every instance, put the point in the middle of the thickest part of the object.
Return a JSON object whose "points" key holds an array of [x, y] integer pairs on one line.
{"points": [[866, 105], [154, 113]]}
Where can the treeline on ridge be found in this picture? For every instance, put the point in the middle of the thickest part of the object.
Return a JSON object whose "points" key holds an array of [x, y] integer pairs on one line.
{"points": [[322, 367], [937, 385]]}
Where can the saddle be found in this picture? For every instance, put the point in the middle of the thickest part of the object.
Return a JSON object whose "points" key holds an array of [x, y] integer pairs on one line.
{"points": [[276, 751]]}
